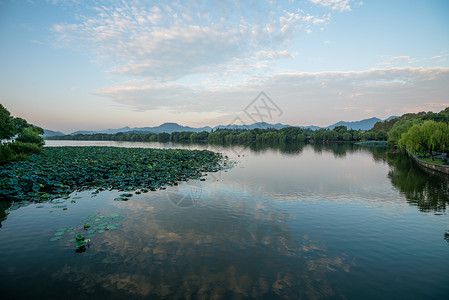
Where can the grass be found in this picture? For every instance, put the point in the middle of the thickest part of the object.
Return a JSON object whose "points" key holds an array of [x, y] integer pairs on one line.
{"points": [[437, 161]]}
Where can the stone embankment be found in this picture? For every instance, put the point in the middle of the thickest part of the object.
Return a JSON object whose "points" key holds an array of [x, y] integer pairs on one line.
{"points": [[439, 168]]}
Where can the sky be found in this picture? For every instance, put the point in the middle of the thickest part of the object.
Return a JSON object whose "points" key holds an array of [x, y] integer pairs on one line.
{"points": [[70, 65]]}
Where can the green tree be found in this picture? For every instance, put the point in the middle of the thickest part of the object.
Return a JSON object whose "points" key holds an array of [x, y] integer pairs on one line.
{"points": [[428, 136], [199, 136], [163, 137], [31, 135], [347, 136], [18, 138], [7, 127], [399, 128]]}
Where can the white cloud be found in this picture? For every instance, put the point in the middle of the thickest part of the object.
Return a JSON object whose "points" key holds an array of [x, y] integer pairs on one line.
{"points": [[339, 5], [177, 39], [336, 95], [438, 58], [402, 60], [216, 56]]}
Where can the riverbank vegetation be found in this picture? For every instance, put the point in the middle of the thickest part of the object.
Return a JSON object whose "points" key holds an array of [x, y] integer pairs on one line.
{"points": [[421, 133], [428, 136], [18, 138], [390, 131], [237, 136]]}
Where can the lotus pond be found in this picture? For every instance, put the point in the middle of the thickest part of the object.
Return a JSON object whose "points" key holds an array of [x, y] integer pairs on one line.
{"points": [[58, 171], [293, 222]]}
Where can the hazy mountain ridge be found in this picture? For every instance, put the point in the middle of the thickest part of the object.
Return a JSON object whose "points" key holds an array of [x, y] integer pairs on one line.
{"points": [[166, 127], [48, 132], [365, 124]]}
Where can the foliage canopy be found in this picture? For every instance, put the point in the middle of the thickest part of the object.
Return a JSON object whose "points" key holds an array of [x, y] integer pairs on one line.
{"points": [[428, 136], [18, 137]]}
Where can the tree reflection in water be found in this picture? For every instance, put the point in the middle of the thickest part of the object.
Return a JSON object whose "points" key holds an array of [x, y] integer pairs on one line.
{"points": [[429, 191]]}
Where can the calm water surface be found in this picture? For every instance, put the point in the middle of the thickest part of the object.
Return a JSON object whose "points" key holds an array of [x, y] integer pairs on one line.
{"points": [[300, 222]]}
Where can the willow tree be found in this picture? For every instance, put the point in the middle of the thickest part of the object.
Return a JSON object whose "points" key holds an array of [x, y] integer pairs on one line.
{"points": [[428, 136]]}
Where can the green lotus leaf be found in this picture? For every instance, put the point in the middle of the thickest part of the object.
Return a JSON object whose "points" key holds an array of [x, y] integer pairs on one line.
{"points": [[79, 237], [80, 244], [55, 238], [62, 170], [126, 195]]}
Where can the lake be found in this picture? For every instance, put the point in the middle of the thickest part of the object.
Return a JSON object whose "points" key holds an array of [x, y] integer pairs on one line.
{"points": [[293, 222]]}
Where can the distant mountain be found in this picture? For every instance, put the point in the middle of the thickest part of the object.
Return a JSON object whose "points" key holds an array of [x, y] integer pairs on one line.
{"points": [[365, 124], [48, 133], [261, 125], [311, 127], [391, 118], [166, 127], [174, 127], [264, 125]]}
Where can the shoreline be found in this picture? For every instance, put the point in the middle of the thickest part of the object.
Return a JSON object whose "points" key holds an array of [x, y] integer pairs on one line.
{"points": [[430, 166]]}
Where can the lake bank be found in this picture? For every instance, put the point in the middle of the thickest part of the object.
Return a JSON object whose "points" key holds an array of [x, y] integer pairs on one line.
{"points": [[444, 169]]}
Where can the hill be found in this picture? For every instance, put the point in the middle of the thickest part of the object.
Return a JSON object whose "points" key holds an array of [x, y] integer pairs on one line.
{"points": [[365, 124], [166, 127], [48, 133]]}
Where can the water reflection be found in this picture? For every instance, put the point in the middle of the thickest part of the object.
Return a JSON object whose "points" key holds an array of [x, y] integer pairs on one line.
{"points": [[173, 254], [428, 191], [291, 221], [339, 150]]}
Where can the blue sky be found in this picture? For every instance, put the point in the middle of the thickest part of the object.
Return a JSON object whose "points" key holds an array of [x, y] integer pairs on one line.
{"points": [[92, 65]]}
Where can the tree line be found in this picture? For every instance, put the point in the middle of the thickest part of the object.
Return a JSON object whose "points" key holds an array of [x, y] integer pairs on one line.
{"points": [[219, 136], [423, 131], [238, 136]]}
